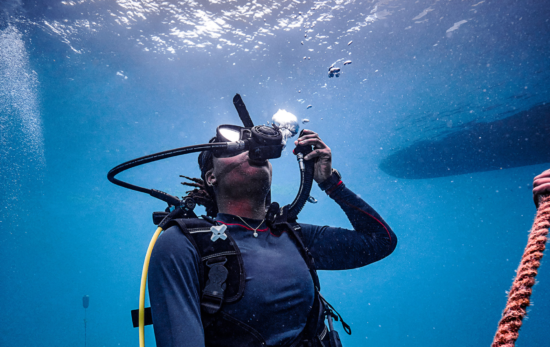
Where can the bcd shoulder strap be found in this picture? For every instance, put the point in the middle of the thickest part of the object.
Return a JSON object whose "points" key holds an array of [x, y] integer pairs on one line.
{"points": [[221, 269]]}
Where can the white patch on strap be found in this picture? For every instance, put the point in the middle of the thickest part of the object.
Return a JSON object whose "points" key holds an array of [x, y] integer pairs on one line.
{"points": [[218, 232]]}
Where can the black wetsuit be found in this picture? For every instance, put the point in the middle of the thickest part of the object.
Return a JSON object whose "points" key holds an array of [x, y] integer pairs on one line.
{"points": [[279, 289]]}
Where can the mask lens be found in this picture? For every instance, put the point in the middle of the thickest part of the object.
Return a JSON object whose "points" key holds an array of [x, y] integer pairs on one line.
{"points": [[231, 135]]}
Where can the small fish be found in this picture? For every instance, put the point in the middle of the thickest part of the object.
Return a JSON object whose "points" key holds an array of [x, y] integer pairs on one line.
{"points": [[305, 120], [309, 106], [349, 43], [347, 62]]}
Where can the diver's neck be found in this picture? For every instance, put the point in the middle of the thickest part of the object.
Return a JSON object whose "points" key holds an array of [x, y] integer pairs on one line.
{"points": [[245, 207]]}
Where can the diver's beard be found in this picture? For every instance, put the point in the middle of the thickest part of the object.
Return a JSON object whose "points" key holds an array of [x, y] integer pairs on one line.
{"points": [[244, 179], [249, 189], [243, 199]]}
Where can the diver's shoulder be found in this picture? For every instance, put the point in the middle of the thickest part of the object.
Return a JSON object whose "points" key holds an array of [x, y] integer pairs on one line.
{"points": [[173, 241]]}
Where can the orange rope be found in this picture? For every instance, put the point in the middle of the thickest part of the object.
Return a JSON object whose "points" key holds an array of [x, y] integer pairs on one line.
{"points": [[518, 299]]}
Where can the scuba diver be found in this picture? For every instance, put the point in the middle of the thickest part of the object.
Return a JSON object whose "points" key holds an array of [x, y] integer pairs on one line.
{"points": [[245, 274]]}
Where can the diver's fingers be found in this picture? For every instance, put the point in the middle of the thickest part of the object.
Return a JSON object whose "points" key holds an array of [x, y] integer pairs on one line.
{"points": [[318, 153], [541, 185], [307, 131], [543, 189], [306, 137], [309, 136], [316, 142], [544, 174], [540, 181]]}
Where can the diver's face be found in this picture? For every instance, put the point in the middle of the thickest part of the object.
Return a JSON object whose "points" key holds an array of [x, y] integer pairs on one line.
{"points": [[239, 174]]}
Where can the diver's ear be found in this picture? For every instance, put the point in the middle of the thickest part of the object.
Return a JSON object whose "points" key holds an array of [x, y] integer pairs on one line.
{"points": [[210, 178]]}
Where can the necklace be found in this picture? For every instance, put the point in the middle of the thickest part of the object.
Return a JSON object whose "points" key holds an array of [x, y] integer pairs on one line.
{"points": [[255, 229]]}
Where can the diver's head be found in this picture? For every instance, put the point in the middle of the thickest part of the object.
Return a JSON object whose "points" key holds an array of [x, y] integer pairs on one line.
{"points": [[241, 170], [234, 178]]}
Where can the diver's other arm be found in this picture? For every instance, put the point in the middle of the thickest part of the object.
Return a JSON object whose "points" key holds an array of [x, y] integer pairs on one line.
{"points": [[174, 291], [541, 186]]}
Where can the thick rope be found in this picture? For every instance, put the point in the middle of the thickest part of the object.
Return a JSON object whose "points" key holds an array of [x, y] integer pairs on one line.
{"points": [[518, 298]]}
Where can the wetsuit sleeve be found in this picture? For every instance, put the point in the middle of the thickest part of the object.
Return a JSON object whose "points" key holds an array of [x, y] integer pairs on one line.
{"points": [[174, 291], [337, 248]]}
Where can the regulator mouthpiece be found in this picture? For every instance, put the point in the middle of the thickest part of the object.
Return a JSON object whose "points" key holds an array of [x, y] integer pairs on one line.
{"points": [[286, 123]]}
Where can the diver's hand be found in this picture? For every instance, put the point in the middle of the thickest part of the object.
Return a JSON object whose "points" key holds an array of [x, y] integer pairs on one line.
{"points": [[321, 154], [541, 185]]}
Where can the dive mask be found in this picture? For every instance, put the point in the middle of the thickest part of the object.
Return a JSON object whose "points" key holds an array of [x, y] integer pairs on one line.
{"points": [[262, 142]]}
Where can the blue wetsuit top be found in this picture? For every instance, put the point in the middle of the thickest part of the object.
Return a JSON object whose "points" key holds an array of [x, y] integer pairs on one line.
{"points": [[279, 290]]}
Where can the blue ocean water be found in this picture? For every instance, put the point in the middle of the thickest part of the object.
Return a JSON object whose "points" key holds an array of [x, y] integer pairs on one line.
{"points": [[88, 84]]}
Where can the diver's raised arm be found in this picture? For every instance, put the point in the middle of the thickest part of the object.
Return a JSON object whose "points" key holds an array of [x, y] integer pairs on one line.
{"points": [[337, 248], [370, 240]]}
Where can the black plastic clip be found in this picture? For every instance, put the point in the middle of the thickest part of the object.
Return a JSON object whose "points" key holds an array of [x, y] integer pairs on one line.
{"points": [[334, 314], [333, 336], [213, 292]]}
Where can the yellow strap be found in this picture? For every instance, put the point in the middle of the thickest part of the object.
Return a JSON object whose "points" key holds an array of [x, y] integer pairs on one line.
{"points": [[143, 285]]}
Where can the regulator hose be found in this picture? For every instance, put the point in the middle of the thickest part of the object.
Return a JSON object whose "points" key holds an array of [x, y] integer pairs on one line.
{"points": [[172, 200], [306, 182]]}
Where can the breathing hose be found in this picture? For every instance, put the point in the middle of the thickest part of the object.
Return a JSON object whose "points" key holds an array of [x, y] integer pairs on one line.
{"points": [[306, 182], [159, 156], [520, 293]]}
